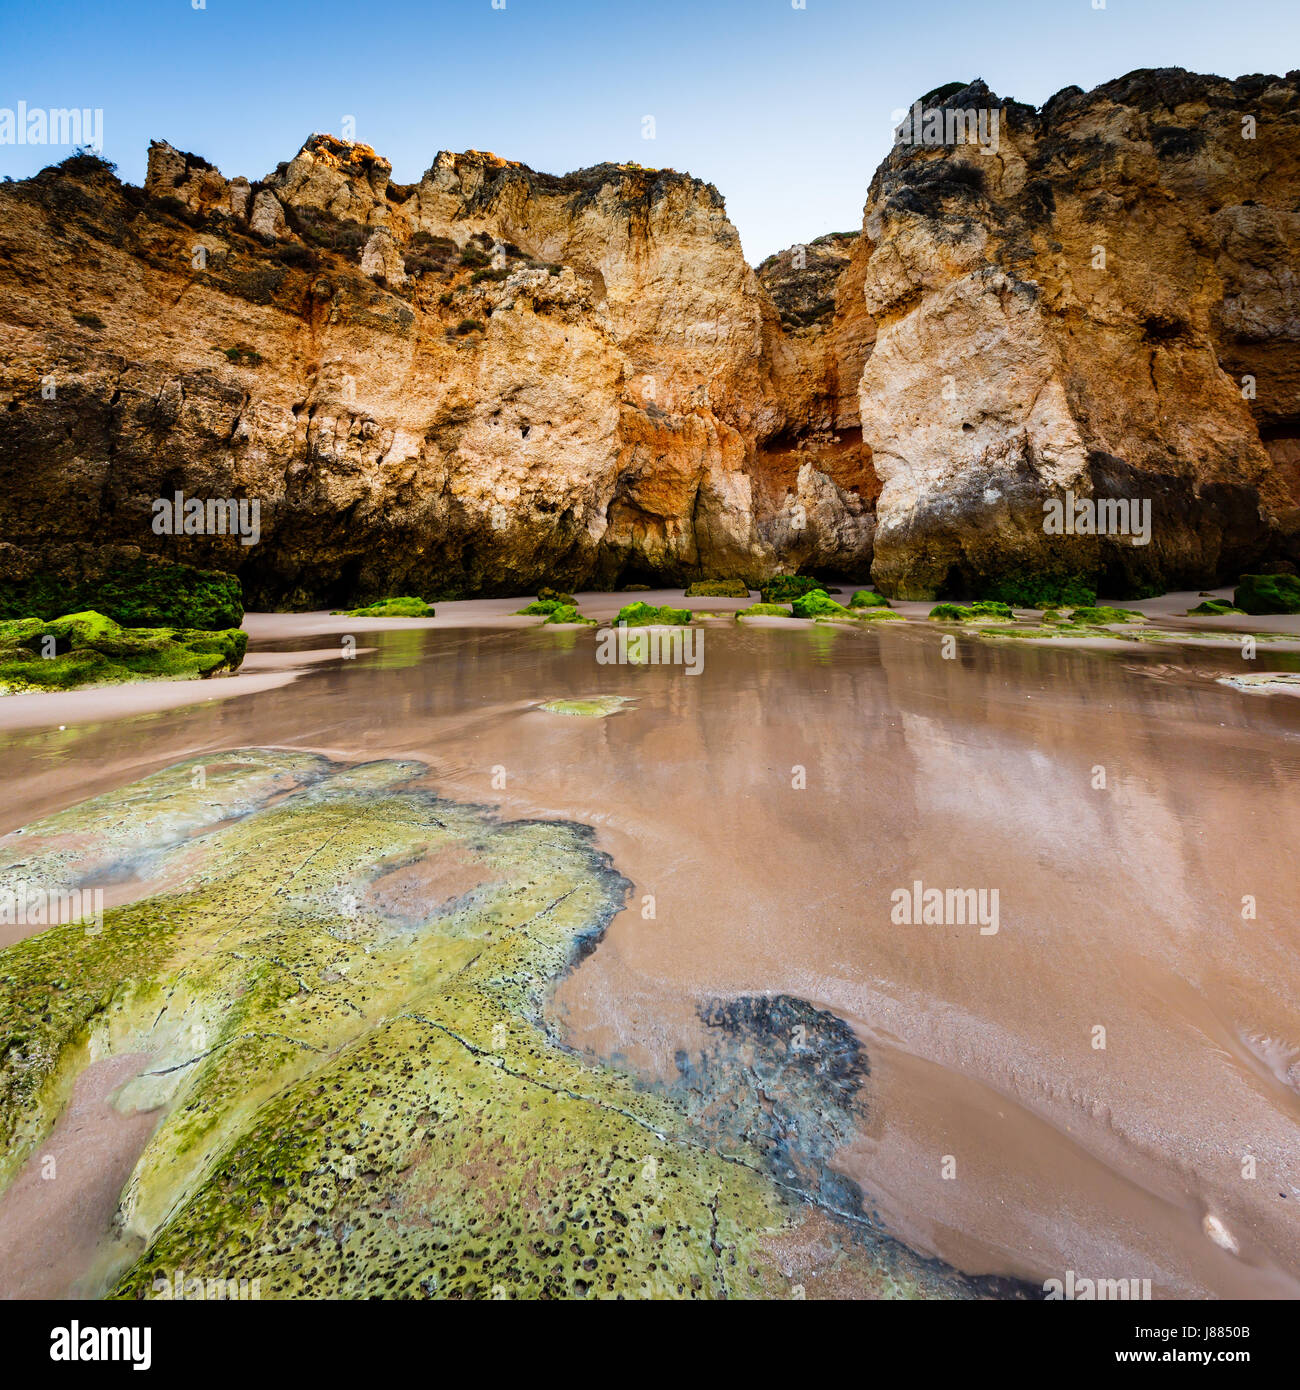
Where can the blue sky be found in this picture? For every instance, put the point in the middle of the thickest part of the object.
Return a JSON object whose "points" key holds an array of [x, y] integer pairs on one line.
{"points": [[788, 111]]}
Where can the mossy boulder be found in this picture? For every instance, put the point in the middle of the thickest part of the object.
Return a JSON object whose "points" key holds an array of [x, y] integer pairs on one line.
{"points": [[1104, 616], [1267, 593], [1045, 589], [89, 649], [868, 598], [785, 588], [1214, 608], [134, 593], [718, 588], [648, 615], [765, 610], [818, 604], [404, 607], [981, 611], [549, 595], [559, 613]]}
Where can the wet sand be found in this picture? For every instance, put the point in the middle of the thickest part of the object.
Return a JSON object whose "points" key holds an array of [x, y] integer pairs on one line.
{"points": [[59, 1207], [1120, 907]]}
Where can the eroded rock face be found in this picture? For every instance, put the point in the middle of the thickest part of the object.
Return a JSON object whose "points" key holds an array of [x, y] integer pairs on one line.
{"points": [[483, 382], [1078, 310], [495, 379]]}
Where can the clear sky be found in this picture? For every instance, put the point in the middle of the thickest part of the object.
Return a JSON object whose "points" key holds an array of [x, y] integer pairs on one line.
{"points": [[788, 111]]}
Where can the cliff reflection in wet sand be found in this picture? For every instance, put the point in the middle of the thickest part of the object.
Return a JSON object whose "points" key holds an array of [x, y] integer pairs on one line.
{"points": [[1078, 1090]]}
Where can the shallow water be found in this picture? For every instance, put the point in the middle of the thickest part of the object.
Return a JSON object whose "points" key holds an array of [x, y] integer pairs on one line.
{"points": [[1119, 906]]}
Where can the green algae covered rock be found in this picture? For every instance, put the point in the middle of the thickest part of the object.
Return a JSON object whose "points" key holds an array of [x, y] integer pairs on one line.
{"points": [[587, 707], [868, 598], [391, 608], [1104, 616], [765, 610], [344, 1003], [1042, 589], [89, 649], [718, 588], [981, 611], [549, 595], [647, 615], [785, 588], [817, 603], [133, 593], [554, 612], [1267, 593], [1214, 608]]}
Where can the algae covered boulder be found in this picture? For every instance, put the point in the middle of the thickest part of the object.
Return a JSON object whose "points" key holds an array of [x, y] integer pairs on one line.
{"points": [[404, 607], [1042, 589], [554, 612], [88, 648], [718, 588], [785, 588], [817, 603], [981, 611], [648, 615], [868, 598], [765, 610], [1214, 608], [549, 595], [133, 592], [1267, 593], [1105, 616]]}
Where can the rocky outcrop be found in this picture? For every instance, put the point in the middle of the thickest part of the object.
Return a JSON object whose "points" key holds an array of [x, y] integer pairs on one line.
{"points": [[495, 378], [488, 380], [1106, 304]]}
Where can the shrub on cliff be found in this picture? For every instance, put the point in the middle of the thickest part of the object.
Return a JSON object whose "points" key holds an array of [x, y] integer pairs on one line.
{"points": [[141, 593], [718, 588], [1267, 593]]}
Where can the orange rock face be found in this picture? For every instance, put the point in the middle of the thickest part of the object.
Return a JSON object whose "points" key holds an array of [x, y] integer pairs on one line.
{"points": [[494, 378]]}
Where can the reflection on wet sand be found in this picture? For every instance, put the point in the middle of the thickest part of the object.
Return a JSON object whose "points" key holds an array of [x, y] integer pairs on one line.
{"points": [[1140, 833]]}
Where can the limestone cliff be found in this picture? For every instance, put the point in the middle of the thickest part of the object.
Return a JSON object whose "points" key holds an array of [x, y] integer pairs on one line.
{"points": [[1106, 303], [495, 378], [475, 384]]}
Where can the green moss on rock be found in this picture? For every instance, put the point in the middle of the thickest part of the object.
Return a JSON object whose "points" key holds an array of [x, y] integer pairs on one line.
{"points": [[139, 593], [868, 598], [785, 588], [718, 588], [765, 610], [1267, 593], [88, 648], [1041, 589], [981, 611], [1214, 608], [648, 615], [817, 603], [549, 595], [404, 607]]}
